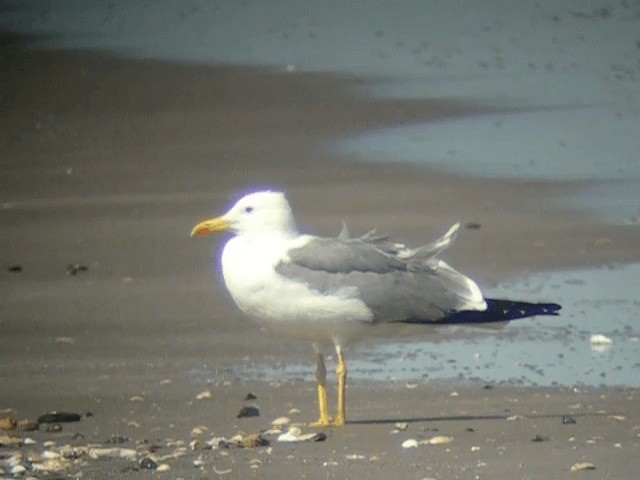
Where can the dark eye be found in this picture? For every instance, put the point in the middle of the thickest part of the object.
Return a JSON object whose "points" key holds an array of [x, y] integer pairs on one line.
{"points": [[248, 209]]}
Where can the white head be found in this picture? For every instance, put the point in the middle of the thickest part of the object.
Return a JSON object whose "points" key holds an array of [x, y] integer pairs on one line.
{"points": [[254, 213]]}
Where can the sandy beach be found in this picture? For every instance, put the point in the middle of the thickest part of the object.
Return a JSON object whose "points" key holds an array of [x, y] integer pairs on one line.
{"points": [[107, 164]]}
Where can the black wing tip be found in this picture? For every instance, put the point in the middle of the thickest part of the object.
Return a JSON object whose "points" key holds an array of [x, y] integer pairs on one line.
{"points": [[497, 311]]}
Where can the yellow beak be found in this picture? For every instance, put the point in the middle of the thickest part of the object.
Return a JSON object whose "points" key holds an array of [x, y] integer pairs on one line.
{"points": [[208, 227]]}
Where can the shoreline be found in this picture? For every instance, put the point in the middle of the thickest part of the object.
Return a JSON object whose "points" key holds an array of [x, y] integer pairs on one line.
{"points": [[110, 162]]}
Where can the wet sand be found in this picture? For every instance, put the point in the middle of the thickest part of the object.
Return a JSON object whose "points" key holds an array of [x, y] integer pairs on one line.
{"points": [[108, 163]]}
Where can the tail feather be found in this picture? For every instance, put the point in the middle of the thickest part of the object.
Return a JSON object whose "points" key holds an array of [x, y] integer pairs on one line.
{"points": [[502, 311]]}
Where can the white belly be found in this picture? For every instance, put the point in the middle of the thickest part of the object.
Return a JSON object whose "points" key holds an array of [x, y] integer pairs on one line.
{"points": [[286, 305]]}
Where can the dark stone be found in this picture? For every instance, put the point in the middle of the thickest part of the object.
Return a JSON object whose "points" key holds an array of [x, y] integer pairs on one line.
{"points": [[75, 268], [148, 464], [540, 438], [15, 268], [55, 417], [568, 420], [319, 437], [472, 226], [250, 396], [248, 412]]}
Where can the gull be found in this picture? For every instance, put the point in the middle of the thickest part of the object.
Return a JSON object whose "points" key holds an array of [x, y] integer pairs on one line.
{"points": [[336, 291]]}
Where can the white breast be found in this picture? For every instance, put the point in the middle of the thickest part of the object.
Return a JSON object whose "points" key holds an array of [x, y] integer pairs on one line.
{"points": [[283, 304]]}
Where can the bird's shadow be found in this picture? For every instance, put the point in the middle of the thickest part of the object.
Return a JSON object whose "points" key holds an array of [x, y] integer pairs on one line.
{"points": [[467, 418]]}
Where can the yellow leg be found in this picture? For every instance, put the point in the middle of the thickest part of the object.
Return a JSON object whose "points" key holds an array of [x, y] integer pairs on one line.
{"points": [[341, 371], [324, 420]]}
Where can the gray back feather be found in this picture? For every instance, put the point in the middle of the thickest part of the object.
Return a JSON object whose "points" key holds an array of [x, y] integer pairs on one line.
{"points": [[395, 282]]}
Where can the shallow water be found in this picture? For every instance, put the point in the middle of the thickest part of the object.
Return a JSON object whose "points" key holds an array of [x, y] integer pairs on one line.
{"points": [[543, 351]]}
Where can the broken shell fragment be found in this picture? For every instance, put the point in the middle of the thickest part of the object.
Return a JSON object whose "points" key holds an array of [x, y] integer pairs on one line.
{"points": [[204, 395], [281, 421], [410, 443], [438, 440], [577, 467]]}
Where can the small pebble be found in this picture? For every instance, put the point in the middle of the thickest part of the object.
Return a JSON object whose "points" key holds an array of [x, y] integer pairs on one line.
{"points": [[148, 464], [248, 412]]}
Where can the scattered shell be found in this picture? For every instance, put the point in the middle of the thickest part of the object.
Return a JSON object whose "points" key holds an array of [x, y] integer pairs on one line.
{"points": [[165, 381], [199, 462], [255, 463], [411, 386], [133, 424], [7, 441], [582, 466], [222, 472], [114, 452], [51, 465], [136, 399], [281, 421], [453, 394], [29, 441], [439, 440], [49, 444], [294, 411], [64, 340], [355, 456], [475, 449], [204, 395], [330, 463], [514, 417], [163, 467], [199, 430], [618, 418], [248, 412], [294, 434], [410, 443], [402, 426], [17, 470]]}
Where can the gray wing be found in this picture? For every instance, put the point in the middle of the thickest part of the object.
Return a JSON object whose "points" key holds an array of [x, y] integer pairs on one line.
{"points": [[395, 282]]}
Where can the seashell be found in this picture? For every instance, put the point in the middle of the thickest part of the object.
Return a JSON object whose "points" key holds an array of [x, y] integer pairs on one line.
{"points": [[577, 467], [294, 411], [163, 467], [204, 395], [330, 463], [115, 452], [222, 472], [17, 470], [49, 444], [439, 440], [281, 421], [354, 456], [51, 465], [618, 418], [199, 430], [291, 435], [199, 462], [410, 443], [136, 399], [7, 441], [402, 426]]}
